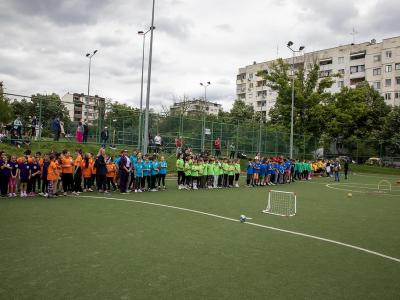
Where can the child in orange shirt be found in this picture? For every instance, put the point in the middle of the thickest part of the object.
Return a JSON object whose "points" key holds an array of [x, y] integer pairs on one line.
{"points": [[87, 173], [78, 173], [52, 176], [111, 172], [93, 179]]}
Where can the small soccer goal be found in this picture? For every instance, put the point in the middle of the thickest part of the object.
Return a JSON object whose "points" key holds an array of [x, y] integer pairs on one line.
{"points": [[384, 186], [281, 203]]}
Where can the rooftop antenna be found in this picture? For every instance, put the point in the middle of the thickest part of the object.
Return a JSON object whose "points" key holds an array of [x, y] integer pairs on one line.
{"points": [[354, 33]]}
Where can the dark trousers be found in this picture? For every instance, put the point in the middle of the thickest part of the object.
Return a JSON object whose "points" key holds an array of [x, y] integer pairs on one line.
{"points": [[132, 182], [45, 185], [181, 177], [85, 138], [123, 181], [110, 182], [225, 184], [32, 184], [78, 180], [346, 171], [138, 182], [67, 181], [87, 183], [188, 180], [4, 184], [148, 180], [153, 181], [161, 180], [232, 155], [217, 152], [101, 182], [230, 179], [220, 178]]}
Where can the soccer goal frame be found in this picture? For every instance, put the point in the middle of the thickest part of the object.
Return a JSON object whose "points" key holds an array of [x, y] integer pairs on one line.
{"points": [[281, 203], [384, 186]]}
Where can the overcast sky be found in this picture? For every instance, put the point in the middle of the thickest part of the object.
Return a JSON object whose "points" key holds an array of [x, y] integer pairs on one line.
{"points": [[43, 42]]}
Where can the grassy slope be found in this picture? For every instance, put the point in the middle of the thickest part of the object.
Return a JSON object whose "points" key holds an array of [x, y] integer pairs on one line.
{"points": [[85, 248]]}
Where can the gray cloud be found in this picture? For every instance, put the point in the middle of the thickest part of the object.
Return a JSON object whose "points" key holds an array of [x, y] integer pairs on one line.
{"points": [[225, 27], [43, 42]]}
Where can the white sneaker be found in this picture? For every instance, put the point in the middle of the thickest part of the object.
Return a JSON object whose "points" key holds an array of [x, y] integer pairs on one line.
{"points": [[135, 191], [9, 195], [14, 195], [46, 195], [139, 191], [90, 190]]}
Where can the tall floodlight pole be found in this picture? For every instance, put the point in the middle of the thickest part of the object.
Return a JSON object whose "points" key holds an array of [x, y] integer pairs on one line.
{"points": [[203, 136], [89, 55], [146, 121], [289, 45], [141, 91]]}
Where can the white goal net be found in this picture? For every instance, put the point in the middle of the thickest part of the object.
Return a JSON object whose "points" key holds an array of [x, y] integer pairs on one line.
{"points": [[384, 186], [281, 203]]}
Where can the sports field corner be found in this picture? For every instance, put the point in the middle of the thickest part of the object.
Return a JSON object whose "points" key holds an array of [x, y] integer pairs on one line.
{"points": [[190, 244]]}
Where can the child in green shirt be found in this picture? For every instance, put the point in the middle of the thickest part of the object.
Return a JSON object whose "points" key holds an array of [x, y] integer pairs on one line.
{"points": [[237, 172], [231, 173]]}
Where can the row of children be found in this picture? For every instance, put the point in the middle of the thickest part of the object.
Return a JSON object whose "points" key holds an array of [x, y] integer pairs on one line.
{"points": [[264, 171], [207, 172], [59, 173]]}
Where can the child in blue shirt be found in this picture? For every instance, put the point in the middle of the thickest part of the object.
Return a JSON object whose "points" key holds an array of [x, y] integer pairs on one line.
{"points": [[154, 174], [250, 172], [162, 172], [139, 182], [147, 172]]}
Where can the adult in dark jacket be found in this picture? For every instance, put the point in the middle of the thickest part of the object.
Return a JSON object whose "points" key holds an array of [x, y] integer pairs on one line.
{"points": [[85, 132], [101, 170], [104, 137], [56, 128]]}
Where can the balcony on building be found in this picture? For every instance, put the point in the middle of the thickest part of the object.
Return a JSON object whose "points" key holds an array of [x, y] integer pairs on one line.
{"points": [[357, 55], [325, 61], [357, 71]]}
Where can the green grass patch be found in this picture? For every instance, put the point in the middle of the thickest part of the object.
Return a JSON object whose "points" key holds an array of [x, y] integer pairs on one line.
{"points": [[99, 248]]}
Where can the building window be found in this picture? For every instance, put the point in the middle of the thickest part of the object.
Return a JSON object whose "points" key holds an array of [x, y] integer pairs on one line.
{"points": [[397, 80], [340, 60], [388, 96], [340, 84], [356, 69], [251, 76], [377, 71], [377, 85], [341, 71], [389, 54], [377, 58], [397, 66], [326, 61], [251, 85], [388, 82], [388, 68], [397, 95], [325, 73]]}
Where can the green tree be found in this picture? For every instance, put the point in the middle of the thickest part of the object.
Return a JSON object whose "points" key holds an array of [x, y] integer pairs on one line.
{"points": [[354, 118], [310, 93], [5, 107], [46, 106], [390, 135]]}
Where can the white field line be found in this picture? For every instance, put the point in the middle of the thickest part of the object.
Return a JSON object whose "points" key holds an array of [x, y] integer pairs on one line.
{"points": [[252, 224]]}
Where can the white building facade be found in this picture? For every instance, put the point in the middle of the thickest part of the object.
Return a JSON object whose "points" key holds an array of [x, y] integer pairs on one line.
{"points": [[195, 106], [376, 63], [83, 108]]}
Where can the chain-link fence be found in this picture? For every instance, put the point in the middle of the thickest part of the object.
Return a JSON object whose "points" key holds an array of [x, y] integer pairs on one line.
{"points": [[247, 137]]}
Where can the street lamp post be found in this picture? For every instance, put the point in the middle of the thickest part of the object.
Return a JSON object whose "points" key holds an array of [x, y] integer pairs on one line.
{"points": [[289, 45], [146, 124], [141, 90], [203, 137], [89, 55]]}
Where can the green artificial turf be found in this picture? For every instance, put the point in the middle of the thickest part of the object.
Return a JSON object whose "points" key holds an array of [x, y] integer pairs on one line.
{"points": [[98, 248]]}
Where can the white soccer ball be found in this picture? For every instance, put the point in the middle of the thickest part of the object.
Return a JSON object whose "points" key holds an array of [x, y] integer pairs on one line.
{"points": [[243, 218], [349, 195]]}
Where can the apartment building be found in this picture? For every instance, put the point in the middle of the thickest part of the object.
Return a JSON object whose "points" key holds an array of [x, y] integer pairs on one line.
{"points": [[83, 108], [195, 106], [376, 63]]}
